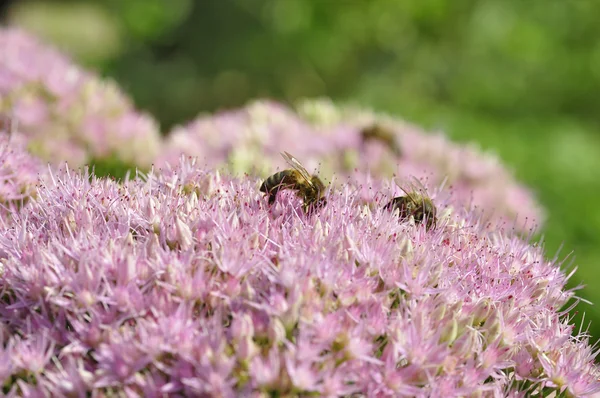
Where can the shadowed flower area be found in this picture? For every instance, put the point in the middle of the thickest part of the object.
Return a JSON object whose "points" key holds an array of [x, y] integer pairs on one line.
{"points": [[330, 139], [187, 282], [67, 113], [19, 170]]}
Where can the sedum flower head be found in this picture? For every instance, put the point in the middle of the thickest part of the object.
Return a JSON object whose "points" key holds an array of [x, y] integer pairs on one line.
{"points": [[67, 113], [329, 139], [188, 283]]}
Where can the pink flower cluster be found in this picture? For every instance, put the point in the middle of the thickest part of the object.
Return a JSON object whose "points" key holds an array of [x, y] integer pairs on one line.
{"points": [[187, 283], [328, 139], [69, 114], [247, 140]]}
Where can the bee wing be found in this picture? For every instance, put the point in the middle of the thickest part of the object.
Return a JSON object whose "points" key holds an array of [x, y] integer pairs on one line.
{"points": [[292, 161], [415, 185], [418, 185]]}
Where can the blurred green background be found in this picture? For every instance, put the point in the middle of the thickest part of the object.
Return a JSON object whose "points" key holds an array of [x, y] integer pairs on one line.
{"points": [[522, 78]]}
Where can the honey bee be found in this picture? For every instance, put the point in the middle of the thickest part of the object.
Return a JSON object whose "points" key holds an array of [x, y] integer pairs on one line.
{"points": [[378, 132], [417, 204], [310, 188], [8, 125]]}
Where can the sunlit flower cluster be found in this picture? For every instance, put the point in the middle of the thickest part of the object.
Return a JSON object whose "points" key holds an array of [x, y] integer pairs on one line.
{"points": [[247, 140], [328, 140], [187, 282], [477, 178], [67, 113]]}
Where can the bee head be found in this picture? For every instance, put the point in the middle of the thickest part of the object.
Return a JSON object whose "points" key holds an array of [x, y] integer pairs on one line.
{"points": [[322, 202], [318, 184], [429, 208], [315, 205], [429, 212]]}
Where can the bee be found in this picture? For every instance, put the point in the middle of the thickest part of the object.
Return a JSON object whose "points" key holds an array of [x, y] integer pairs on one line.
{"points": [[417, 204], [310, 188], [385, 135], [8, 125]]}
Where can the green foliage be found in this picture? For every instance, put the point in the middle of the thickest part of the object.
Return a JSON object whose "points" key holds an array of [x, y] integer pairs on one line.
{"points": [[519, 77], [112, 167]]}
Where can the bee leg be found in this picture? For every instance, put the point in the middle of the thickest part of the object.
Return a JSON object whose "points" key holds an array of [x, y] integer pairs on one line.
{"points": [[431, 223], [313, 206], [418, 216], [391, 205], [272, 196], [397, 203], [309, 208]]}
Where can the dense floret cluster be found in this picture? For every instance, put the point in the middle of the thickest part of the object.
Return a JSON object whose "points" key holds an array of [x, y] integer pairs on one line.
{"points": [[188, 283], [330, 139], [67, 113]]}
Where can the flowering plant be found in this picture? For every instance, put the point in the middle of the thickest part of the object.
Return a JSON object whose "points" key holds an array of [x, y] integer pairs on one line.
{"points": [[67, 113], [187, 283]]}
